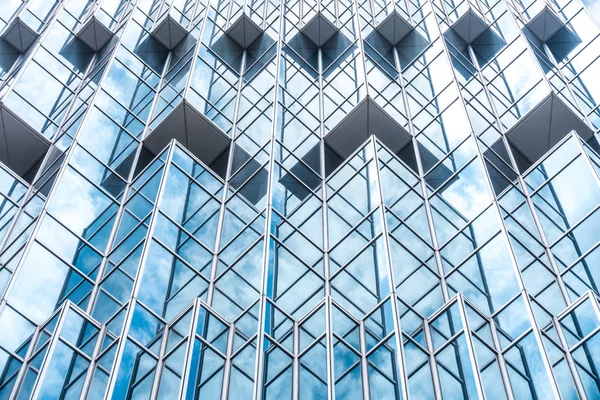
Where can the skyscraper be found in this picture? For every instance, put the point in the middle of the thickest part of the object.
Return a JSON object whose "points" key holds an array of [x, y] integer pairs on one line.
{"points": [[336, 199]]}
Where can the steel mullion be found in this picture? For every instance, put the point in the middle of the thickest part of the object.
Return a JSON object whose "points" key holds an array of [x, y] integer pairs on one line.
{"points": [[529, 236], [407, 226], [139, 272], [342, 67], [417, 369], [472, 253], [309, 268], [298, 161], [51, 347], [345, 296], [408, 338], [570, 230], [209, 345], [251, 158], [448, 340], [549, 178], [120, 262], [307, 368], [295, 228], [316, 341], [190, 235], [353, 228], [360, 252], [579, 259], [244, 228], [240, 256], [195, 180], [357, 171], [461, 231]]}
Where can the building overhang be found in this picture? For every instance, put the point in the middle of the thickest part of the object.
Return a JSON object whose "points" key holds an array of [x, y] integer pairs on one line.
{"points": [[548, 28], [190, 128], [168, 31], [94, 33], [319, 29], [545, 24], [470, 26], [394, 28], [366, 119], [244, 31], [21, 147], [542, 128], [20, 35], [318, 33]]}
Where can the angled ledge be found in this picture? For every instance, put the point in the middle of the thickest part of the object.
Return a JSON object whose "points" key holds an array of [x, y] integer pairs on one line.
{"points": [[545, 24], [244, 31], [471, 29], [319, 29], [470, 26], [548, 28], [22, 147], [306, 175], [394, 28], [394, 32], [542, 128], [250, 177], [351, 133], [366, 119], [192, 130], [168, 31], [94, 33], [19, 35], [8, 55], [318, 33]]}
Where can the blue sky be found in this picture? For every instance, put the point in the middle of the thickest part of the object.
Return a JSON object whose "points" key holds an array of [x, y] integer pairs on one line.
{"points": [[594, 7]]}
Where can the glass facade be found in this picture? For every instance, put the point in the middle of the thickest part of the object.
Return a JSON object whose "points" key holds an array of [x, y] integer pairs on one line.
{"points": [[307, 199]]}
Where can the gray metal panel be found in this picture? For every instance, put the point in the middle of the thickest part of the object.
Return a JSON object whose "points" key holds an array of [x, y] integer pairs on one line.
{"points": [[545, 24], [319, 29], [94, 34], [190, 128], [544, 126], [169, 32], [244, 31], [469, 26], [204, 139], [19, 35], [394, 28], [172, 127], [228, 49], [22, 147], [366, 119]]}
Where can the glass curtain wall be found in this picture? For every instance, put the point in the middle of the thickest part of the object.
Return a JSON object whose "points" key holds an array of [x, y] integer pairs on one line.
{"points": [[307, 199]]}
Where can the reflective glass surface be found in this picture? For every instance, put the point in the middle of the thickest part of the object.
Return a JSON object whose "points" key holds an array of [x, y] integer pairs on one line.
{"points": [[299, 199]]}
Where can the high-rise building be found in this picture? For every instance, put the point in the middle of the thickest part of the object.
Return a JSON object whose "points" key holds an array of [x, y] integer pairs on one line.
{"points": [[307, 199]]}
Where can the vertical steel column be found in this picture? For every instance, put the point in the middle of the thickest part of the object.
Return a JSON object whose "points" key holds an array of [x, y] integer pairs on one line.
{"points": [[326, 266], [36, 391], [259, 363], [402, 377], [189, 353], [138, 277]]}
